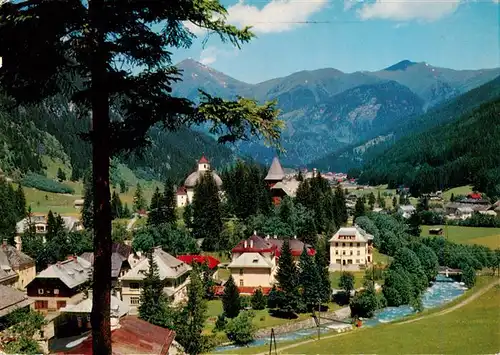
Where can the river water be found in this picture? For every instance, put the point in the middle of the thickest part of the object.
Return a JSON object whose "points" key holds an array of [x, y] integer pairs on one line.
{"points": [[441, 292]]}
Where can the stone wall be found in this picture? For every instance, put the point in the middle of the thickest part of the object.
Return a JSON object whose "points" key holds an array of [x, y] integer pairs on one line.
{"points": [[292, 326]]}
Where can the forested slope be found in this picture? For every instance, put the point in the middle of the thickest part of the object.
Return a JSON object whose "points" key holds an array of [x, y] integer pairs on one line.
{"points": [[360, 153], [465, 151]]}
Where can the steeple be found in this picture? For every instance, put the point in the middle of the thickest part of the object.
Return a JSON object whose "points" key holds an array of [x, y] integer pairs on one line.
{"points": [[275, 172], [203, 164]]}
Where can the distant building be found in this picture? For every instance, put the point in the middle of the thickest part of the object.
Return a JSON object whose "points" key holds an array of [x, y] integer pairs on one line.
{"points": [[211, 262], [184, 194], [351, 249], [406, 210], [279, 183], [11, 300], [60, 284], [79, 203], [173, 273], [254, 261], [16, 268], [39, 223]]}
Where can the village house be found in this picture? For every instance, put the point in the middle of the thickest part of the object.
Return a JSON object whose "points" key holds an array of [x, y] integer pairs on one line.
{"points": [[351, 249], [173, 273], [184, 194], [254, 261], [75, 319], [60, 284], [122, 259], [211, 262], [131, 336], [16, 268], [406, 210], [11, 300], [39, 223]]}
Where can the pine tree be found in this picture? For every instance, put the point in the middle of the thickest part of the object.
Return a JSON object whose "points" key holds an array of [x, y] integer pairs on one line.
{"points": [[51, 225], [139, 200], [21, 202], [325, 290], [155, 216], [258, 300], [169, 203], [116, 206], [452, 197], [193, 317], [207, 216], [153, 300], [395, 204], [61, 175], [371, 200], [309, 280], [123, 186], [126, 211], [379, 199], [359, 208], [187, 216], [287, 278], [88, 203], [231, 302], [341, 214], [77, 39]]}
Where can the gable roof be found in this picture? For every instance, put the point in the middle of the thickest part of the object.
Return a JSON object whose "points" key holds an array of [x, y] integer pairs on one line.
{"points": [[275, 171], [12, 299], [120, 254], [15, 258], [203, 160], [168, 267], [72, 272], [118, 308], [134, 336], [201, 259], [289, 187], [254, 244], [250, 260], [296, 246], [359, 234]]}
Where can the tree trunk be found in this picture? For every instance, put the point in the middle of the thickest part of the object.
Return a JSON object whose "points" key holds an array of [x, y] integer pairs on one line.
{"points": [[100, 316]]}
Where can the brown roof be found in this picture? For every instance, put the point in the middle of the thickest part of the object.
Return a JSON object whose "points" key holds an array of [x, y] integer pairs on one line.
{"points": [[134, 336], [12, 299], [120, 253]]}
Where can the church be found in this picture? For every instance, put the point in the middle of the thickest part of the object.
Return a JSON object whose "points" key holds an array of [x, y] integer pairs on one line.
{"points": [[184, 194]]}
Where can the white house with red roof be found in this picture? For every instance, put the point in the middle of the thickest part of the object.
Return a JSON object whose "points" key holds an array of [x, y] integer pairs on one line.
{"points": [[185, 193], [254, 261]]}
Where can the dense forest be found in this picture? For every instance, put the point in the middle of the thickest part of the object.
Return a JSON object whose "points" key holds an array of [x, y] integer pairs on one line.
{"points": [[355, 155], [459, 153], [53, 129]]}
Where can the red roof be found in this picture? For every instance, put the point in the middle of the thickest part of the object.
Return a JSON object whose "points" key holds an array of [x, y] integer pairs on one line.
{"points": [[201, 259], [203, 160], [257, 244], [475, 195], [247, 290], [134, 336], [181, 191]]}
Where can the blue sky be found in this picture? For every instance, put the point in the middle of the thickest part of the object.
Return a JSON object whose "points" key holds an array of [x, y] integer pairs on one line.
{"points": [[353, 35]]}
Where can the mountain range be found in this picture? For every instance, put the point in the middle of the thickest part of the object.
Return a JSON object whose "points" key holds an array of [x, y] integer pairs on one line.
{"points": [[326, 110]]}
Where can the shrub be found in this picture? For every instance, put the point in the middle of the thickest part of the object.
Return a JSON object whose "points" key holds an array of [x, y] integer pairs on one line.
{"points": [[43, 183], [241, 330], [258, 300]]}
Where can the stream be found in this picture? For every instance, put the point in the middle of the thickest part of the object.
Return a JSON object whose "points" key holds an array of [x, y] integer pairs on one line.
{"points": [[442, 291]]}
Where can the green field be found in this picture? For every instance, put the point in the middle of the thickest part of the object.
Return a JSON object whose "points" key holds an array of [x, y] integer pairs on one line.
{"points": [[461, 190], [471, 329], [489, 237]]}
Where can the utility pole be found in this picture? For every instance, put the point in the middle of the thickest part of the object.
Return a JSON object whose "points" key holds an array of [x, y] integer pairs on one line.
{"points": [[319, 319]]}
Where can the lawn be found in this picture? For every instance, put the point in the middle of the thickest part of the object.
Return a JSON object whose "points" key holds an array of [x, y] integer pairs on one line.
{"points": [[380, 258], [489, 237], [461, 190], [358, 279], [471, 329]]}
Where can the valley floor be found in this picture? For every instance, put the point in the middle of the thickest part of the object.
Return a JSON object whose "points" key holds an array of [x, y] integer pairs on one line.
{"points": [[489, 237]]}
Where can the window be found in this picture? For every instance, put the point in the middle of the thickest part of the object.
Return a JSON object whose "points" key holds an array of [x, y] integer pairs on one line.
{"points": [[336, 244], [241, 271], [349, 261], [134, 300], [41, 304], [40, 291], [134, 285], [336, 252], [359, 244], [359, 253], [343, 244], [241, 283], [343, 252], [61, 304], [357, 261], [56, 291], [352, 252], [338, 261]]}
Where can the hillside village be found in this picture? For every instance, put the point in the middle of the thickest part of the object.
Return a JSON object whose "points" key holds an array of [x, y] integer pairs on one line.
{"points": [[249, 259]]}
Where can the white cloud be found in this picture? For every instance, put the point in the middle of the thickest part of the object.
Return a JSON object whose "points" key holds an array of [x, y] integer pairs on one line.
{"points": [[275, 16], [198, 31], [208, 55], [496, 1], [406, 10]]}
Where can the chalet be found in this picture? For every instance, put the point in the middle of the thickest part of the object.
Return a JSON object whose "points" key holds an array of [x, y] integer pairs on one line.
{"points": [[476, 206], [16, 268], [185, 193], [11, 300], [173, 273], [351, 249], [464, 212], [211, 262], [132, 336], [75, 319], [60, 284], [254, 260], [121, 261], [275, 176]]}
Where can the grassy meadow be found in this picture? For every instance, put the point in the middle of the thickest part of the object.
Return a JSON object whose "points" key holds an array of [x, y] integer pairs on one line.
{"points": [[489, 237]]}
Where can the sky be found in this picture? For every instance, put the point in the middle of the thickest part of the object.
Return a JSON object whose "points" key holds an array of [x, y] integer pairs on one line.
{"points": [[351, 35]]}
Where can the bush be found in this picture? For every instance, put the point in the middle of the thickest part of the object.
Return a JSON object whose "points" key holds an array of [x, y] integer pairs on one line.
{"points": [[241, 330], [258, 300], [43, 183], [220, 323]]}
